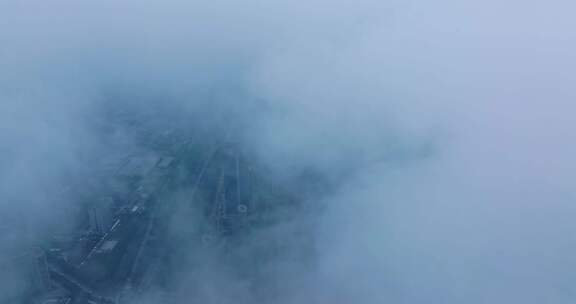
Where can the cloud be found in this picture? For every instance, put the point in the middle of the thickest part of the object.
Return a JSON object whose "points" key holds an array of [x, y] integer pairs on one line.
{"points": [[446, 126]]}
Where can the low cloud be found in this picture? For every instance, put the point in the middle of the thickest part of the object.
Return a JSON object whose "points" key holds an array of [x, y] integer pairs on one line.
{"points": [[442, 131]]}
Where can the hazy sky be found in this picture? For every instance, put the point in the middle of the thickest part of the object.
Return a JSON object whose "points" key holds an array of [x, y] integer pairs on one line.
{"points": [[456, 117]]}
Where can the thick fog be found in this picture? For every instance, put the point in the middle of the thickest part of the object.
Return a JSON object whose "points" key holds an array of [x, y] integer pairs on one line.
{"points": [[445, 129]]}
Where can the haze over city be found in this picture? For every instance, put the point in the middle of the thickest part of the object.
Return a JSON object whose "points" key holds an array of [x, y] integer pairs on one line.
{"points": [[402, 151]]}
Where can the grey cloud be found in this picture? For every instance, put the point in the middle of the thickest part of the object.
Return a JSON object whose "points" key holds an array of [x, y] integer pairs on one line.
{"points": [[446, 127]]}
